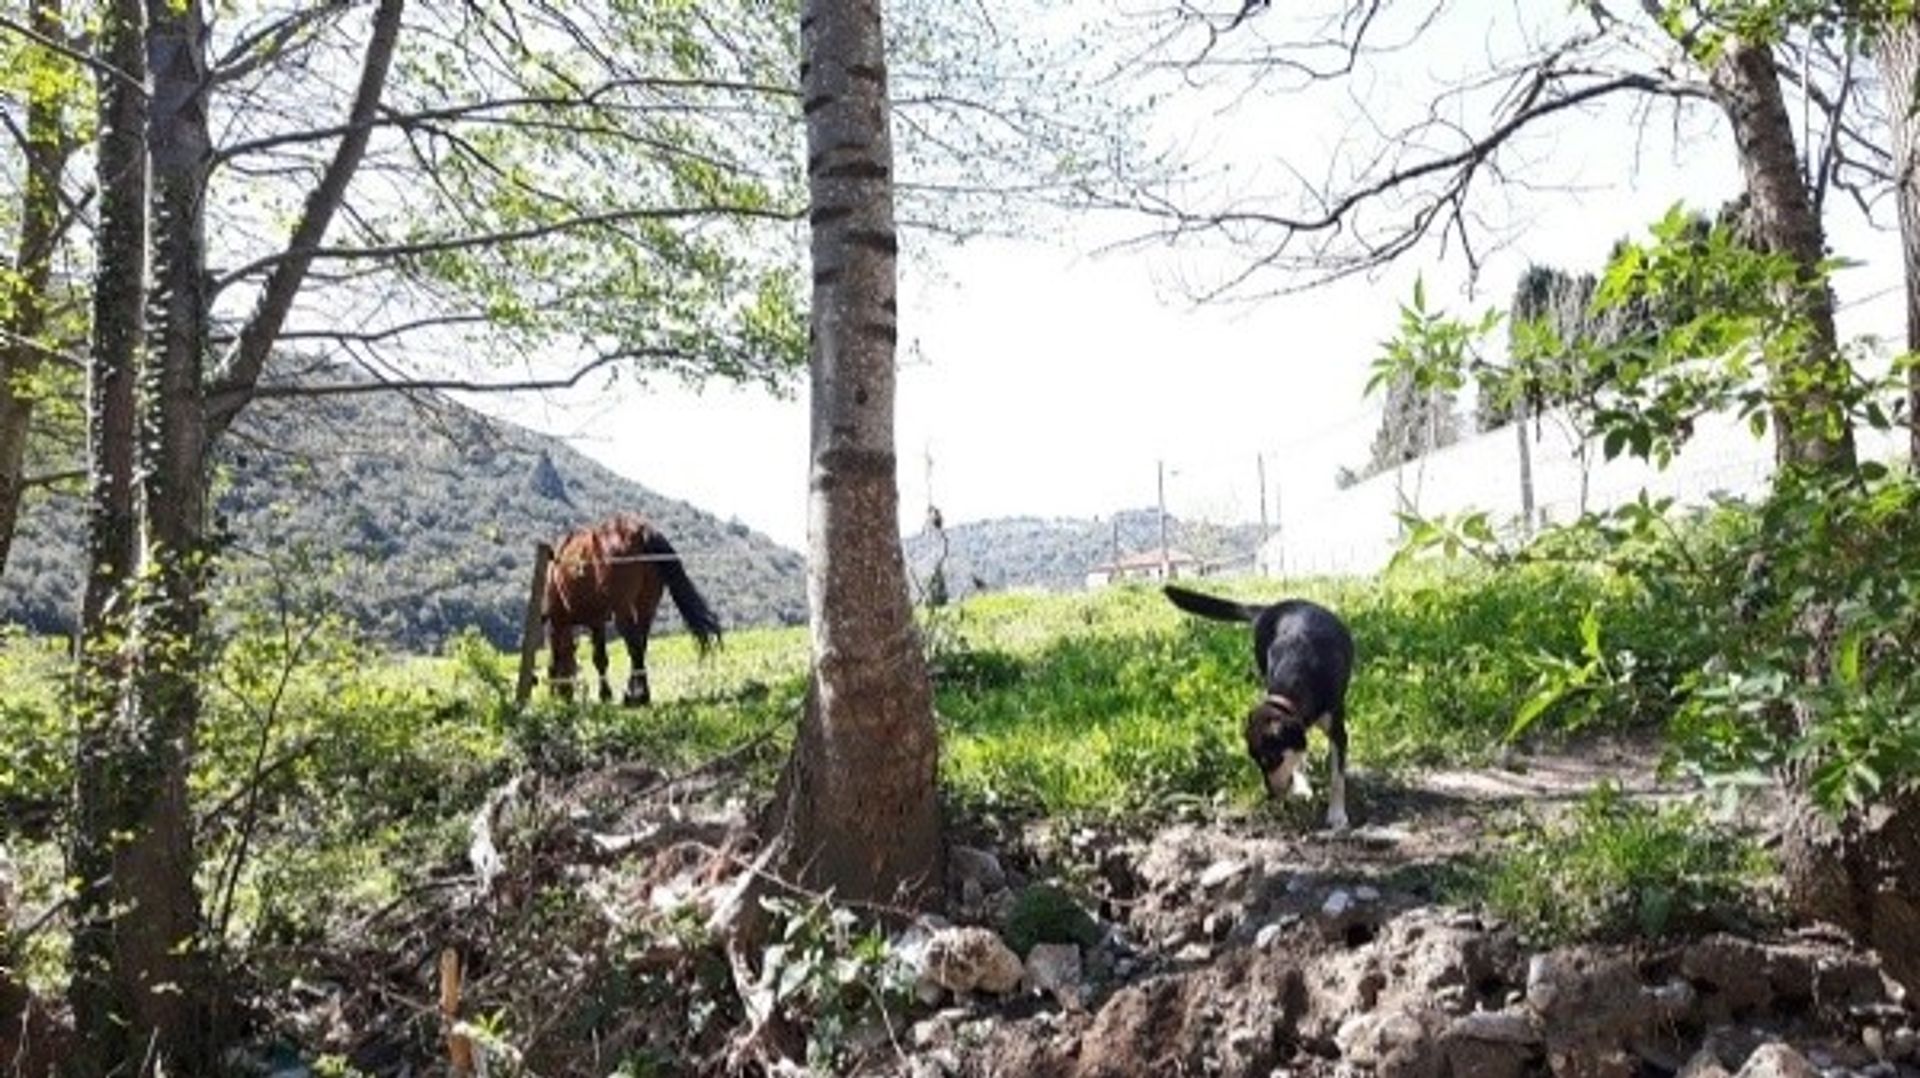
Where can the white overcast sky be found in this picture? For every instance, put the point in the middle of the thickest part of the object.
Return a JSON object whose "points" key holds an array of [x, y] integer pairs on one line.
{"points": [[1042, 381]]}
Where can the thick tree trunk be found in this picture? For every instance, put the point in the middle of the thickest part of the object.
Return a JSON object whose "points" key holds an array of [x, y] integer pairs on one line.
{"points": [[1809, 430], [107, 1004], [25, 302], [1862, 871], [158, 969], [1897, 52], [857, 810]]}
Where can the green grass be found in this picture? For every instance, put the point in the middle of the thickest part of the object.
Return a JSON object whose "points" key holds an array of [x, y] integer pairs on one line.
{"points": [[1114, 701], [1617, 870], [1098, 704]]}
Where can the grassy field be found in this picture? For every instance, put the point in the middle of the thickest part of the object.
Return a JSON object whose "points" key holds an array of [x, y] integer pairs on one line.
{"points": [[325, 761]]}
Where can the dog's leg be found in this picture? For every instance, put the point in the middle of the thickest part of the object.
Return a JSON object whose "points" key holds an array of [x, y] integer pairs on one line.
{"points": [[1337, 785]]}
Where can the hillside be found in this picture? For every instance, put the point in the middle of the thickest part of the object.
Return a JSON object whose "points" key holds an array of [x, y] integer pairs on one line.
{"points": [[423, 514], [1056, 553]]}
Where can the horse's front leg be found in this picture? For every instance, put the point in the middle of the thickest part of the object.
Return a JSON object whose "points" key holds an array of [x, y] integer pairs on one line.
{"points": [[563, 662], [639, 693], [600, 661]]}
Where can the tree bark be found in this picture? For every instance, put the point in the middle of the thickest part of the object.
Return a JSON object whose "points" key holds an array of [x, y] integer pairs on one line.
{"points": [[159, 968], [1810, 430], [1861, 871], [106, 1004], [1897, 52], [26, 301], [856, 811]]}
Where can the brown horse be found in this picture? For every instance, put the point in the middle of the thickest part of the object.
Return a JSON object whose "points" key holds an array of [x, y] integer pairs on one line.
{"points": [[617, 569]]}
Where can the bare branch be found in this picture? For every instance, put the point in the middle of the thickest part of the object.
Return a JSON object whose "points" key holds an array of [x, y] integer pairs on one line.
{"points": [[77, 56], [240, 369], [513, 235], [381, 384], [270, 43]]}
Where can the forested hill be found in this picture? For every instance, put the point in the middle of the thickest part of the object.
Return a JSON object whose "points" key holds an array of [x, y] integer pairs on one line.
{"points": [[420, 514], [1056, 553]]}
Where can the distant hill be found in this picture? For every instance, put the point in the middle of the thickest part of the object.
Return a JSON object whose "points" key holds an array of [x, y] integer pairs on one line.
{"points": [[1056, 553], [424, 511]]}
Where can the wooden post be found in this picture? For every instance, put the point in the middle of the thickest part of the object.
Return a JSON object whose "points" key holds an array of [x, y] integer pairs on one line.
{"points": [[460, 1054], [530, 628]]}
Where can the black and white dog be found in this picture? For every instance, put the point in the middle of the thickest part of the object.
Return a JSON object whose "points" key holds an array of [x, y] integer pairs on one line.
{"points": [[1303, 654]]}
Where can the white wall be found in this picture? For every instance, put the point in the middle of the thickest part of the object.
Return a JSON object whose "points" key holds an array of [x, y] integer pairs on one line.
{"points": [[1355, 531]]}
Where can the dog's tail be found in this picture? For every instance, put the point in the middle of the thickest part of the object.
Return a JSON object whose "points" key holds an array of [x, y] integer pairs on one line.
{"points": [[1208, 606]]}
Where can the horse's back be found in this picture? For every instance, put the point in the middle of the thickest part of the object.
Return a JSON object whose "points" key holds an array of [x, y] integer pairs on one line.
{"points": [[599, 572]]}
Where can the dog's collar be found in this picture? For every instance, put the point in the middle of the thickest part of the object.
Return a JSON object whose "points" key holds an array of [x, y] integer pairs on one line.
{"points": [[1284, 703]]}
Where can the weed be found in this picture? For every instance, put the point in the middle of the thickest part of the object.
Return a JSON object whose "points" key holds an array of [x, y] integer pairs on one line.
{"points": [[1618, 869]]}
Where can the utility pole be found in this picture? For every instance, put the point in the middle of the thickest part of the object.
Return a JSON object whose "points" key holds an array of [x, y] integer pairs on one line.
{"points": [[1260, 465], [1526, 478], [1166, 559]]}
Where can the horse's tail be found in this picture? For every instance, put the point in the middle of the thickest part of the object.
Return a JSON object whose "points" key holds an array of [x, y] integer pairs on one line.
{"points": [[687, 599]]}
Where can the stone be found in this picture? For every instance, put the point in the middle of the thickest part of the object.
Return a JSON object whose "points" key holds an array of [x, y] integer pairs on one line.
{"points": [[1704, 1064], [1904, 1045], [1336, 904], [1265, 938], [1220, 873], [1054, 968], [1493, 1044], [1777, 1060], [1504, 1027], [969, 959], [980, 867]]}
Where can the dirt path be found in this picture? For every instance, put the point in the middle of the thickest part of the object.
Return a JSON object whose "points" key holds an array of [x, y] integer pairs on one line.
{"points": [[1250, 946]]}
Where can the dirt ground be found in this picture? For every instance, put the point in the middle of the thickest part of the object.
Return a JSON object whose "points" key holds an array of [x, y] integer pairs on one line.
{"points": [[1235, 945]]}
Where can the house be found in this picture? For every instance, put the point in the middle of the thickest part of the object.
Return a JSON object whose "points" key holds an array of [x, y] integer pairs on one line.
{"points": [[1146, 565]]}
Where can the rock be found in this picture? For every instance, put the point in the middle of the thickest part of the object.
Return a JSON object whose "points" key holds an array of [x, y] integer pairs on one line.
{"points": [[1777, 1061], [968, 959], [1593, 1006], [1219, 924], [1704, 1064], [1220, 872], [1673, 1000], [1590, 1064], [1367, 894], [1391, 1042], [1904, 1045], [980, 867], [1265, 938], [1336, 904], [1493, 1044], [1504, 1027], [1733, 972], [1054, 968]]}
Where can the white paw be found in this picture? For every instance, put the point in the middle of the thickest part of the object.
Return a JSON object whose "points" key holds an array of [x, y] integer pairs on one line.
{"points": [[1302, 785], [1337, 819]]}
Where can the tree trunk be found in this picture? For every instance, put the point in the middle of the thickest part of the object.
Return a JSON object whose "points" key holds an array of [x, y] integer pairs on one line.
{"points": [[159, 965], [25, 300], [1897, 52], [107, 1005], [1862, 871], [856, 811], [1810, 430]]}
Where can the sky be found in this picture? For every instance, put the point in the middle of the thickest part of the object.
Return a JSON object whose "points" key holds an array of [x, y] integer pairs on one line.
{"points": [[1036, 379]]}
